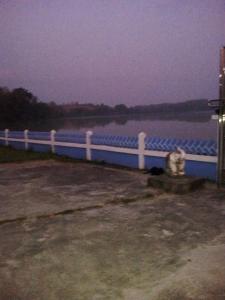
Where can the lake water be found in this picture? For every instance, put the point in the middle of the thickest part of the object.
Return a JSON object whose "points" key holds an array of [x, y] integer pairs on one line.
{"points": [[188, 125]]}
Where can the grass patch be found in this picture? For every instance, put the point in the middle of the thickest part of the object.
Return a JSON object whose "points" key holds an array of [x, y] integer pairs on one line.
{"points": [[8, 154]]}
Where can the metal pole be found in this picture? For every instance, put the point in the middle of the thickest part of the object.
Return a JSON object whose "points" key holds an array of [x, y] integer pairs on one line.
{"points": [[221, 133]]}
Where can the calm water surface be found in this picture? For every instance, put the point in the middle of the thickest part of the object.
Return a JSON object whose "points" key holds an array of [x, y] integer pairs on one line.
{"points": [[191, 126]]}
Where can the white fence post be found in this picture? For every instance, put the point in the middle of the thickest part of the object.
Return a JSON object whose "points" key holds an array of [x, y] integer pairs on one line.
{"points": [[88, 144], [6, 137], [26, 139], [141, 149], [52, 136]]}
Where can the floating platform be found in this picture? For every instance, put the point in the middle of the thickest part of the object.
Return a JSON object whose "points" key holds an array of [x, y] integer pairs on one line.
{"points": [[176, 184]]}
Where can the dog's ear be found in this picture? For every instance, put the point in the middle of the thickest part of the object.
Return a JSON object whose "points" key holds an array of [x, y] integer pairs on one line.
{"points": [[181, 151]]}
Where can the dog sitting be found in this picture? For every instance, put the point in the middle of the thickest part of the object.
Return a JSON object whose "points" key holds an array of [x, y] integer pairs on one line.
{"points": [[175, 162]]}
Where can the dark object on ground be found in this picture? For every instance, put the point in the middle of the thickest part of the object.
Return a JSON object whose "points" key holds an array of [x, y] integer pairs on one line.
{"points": [[176, 184], [156, 171]]}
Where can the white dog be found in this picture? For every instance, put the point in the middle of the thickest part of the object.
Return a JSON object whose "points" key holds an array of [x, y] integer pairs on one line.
{"points": [[175, 162]]}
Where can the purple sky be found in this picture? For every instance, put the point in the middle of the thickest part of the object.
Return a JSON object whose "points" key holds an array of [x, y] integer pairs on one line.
{"points": [[112, 51]]}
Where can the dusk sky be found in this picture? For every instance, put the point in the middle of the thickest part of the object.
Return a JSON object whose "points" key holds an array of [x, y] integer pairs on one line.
{"points": [[112, 51]]}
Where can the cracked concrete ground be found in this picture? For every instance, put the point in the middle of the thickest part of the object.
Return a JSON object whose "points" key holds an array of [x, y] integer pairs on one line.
{"points": [[78, 231]]}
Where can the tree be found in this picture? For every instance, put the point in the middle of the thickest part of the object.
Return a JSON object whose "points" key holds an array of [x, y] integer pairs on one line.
{"points": [[121, 108]]}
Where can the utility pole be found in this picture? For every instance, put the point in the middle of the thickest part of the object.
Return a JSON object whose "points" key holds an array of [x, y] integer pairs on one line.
{"points": [[221, 129]]}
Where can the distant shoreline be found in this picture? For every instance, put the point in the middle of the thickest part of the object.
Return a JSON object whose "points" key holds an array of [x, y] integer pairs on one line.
{"points": [[147, 114]]}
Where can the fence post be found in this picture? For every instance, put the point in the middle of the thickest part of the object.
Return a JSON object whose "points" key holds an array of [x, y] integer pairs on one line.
{"points": [[52, 136], [88, 144], [26, 139], [141, 149], [6, 137]]}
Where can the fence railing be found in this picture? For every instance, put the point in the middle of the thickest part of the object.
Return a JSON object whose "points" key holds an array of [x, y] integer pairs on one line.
{"points": [[139, 152]]}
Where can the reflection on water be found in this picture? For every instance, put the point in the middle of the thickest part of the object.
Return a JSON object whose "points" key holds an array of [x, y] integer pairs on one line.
{"points": [[186, 125]]}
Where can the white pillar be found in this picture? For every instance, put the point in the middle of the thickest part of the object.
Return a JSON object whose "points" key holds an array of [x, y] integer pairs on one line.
{"points": [[88, 144], [141, 149], [6, 137], [26, 139], [52, 136]]}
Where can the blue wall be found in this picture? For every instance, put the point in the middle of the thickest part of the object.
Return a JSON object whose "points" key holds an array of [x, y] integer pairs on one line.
{"points": [[79, 153], [39, 148], [154, 161], [17, 145], [201, 169], [122, 159]]}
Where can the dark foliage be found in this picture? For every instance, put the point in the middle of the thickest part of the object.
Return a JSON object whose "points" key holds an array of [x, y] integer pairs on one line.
{"points": [[20, 105]]}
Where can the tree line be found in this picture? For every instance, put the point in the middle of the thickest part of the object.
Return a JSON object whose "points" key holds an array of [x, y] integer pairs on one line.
{"points": [[20, 105]]}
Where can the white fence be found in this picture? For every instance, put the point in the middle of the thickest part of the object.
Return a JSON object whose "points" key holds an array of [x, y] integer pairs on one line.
{"points": [[141, 152]]}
